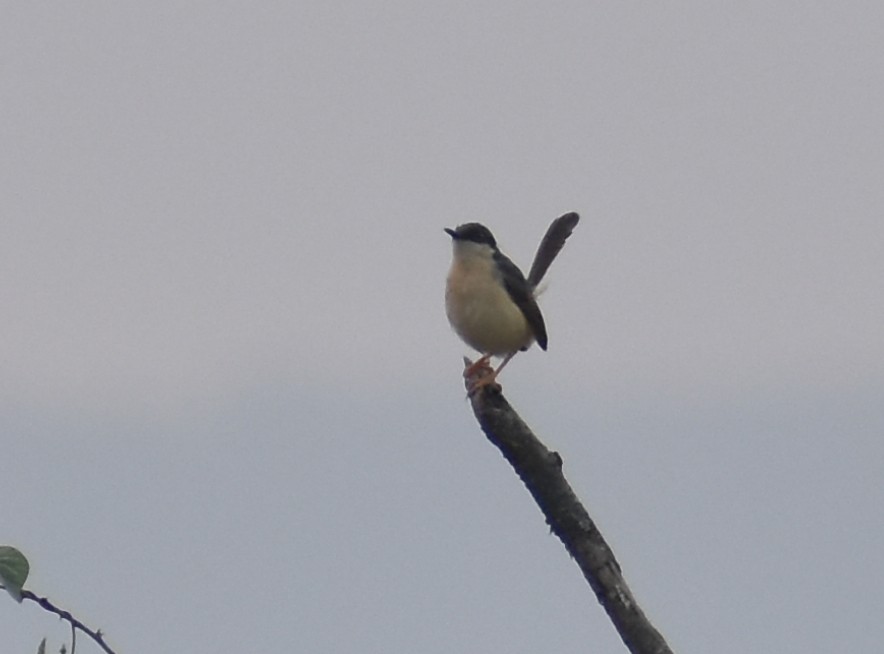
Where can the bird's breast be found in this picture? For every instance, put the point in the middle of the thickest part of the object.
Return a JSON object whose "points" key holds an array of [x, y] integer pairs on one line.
{"points": [[481, 311]]}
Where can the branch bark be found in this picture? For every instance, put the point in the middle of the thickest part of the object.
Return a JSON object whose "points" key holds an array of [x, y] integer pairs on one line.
{"points": [[95, 635], [541, 471]]}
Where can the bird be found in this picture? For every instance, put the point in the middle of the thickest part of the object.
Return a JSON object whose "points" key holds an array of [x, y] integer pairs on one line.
{"points": [[490, 304]]}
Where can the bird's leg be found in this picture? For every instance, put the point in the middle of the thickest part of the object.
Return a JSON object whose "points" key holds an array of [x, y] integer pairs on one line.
{"points": [[505, 361]]}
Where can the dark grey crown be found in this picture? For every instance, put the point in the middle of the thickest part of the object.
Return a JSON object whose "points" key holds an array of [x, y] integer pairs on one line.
{"points": [[474, 232]]}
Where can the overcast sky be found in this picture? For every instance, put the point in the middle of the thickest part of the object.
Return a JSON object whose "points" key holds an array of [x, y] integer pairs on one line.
{"points": [[231, 411]]}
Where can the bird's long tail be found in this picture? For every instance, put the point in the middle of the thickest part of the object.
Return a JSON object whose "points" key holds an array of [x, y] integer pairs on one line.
{"points": [[551, 245]]}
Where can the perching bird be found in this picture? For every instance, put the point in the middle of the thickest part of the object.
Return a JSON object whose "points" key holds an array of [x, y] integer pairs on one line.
{"points": [[489, 303]]}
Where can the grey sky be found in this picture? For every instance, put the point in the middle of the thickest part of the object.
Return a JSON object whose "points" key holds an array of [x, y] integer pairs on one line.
{"points": [[230, 404]]}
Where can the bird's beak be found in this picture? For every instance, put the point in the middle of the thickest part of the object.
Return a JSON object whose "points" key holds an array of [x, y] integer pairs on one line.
{"points": [[451, 232]]}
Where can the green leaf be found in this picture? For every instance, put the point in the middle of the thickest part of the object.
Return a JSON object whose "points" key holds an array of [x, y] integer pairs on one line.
{"points": [[14, 570], [42, 648]]}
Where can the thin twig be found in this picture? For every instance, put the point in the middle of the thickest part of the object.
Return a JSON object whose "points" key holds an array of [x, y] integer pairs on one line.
{"points": [[96, 635], [541, 472]]}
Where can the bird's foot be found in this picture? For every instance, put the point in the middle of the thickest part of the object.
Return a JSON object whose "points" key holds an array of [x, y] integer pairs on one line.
{"points": [[480, 365], [476, 385], [478, 374]]}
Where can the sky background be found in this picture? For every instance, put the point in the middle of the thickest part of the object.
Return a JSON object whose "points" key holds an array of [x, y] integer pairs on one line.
{"points": [[231, 410]]}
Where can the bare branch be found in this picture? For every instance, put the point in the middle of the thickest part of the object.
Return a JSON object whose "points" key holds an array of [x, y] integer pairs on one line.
{"points": [[44, 602], [541, 472]]}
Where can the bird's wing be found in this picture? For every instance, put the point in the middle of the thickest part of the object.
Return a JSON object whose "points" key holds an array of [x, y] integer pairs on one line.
{"points": [[522, 294]]}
